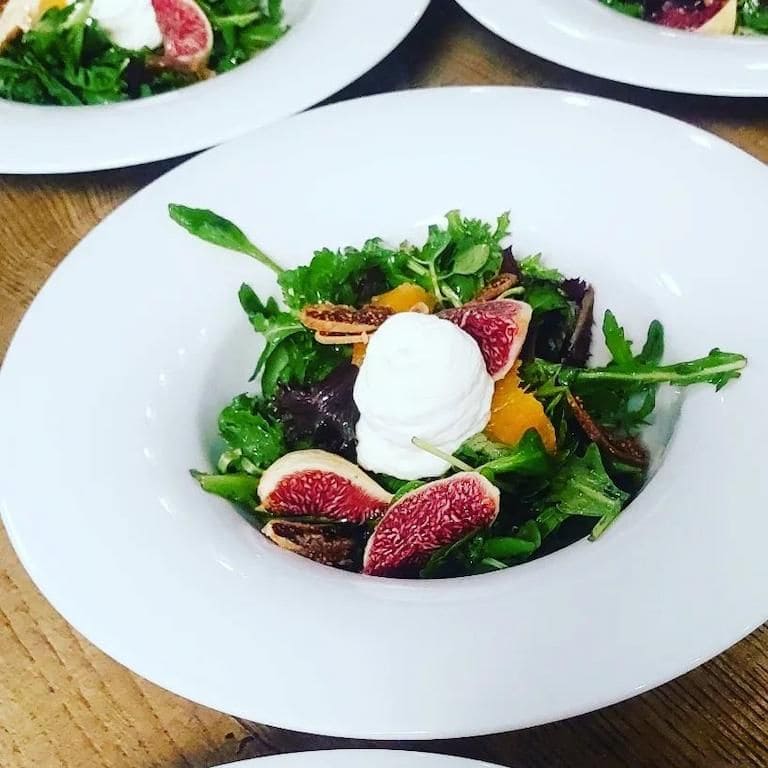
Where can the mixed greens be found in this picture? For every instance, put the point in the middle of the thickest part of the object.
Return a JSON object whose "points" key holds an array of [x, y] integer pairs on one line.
{"points": [[751, 15], [67, 58], [577, 464]]}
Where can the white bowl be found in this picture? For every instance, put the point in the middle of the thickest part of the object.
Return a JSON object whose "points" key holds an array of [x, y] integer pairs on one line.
{"points": [[111, 387], [329, 44], [593, 38], [360, 758]]}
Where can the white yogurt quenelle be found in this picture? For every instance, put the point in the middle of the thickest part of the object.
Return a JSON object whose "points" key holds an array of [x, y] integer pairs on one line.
{"points": [[421, 377], [130, 24]]}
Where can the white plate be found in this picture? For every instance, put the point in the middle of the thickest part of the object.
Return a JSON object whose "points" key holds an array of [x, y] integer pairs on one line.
{"points": [[330, 44], [360, 758], [111, 387], [588, 36]]}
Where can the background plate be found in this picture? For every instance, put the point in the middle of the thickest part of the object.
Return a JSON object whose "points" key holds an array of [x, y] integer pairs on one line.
{"points": [[330, 44], [588, 36]]}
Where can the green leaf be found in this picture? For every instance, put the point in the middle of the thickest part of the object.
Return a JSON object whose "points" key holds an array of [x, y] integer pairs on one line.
{"points": [[717, 368], [472, 259], [237, 487], [411, 485], [532, 269], [529, 457], [506, 548], [634, 8], [753, 14], [653, 349], [247, 426], [212, 228], [545, 297], [616, 341], [582, 487]]}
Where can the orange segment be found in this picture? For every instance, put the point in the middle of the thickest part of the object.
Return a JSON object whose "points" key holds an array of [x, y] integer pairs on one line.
{"points": [[404, 297], [514, 411], [358, 353]]}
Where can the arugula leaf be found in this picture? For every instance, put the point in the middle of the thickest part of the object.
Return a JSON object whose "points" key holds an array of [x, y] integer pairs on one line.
{"points": [[582, 487], [253, 435], [616, 341], [212, 228], [290, 355], [528, 457], [238, 487], [717, 368]]}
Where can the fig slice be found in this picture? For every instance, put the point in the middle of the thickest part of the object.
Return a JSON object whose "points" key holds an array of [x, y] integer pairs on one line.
{"points": [[187, 34], [717, 17], [499, 327], [432, 516], [323, 543], [316, 483]]}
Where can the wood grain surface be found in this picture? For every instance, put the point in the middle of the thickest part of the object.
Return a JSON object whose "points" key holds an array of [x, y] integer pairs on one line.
{"points": [[64, 704]]}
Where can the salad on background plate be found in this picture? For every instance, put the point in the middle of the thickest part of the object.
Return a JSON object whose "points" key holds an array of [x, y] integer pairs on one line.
{"points": [[430, 411], [75, 52], [713, 17]]}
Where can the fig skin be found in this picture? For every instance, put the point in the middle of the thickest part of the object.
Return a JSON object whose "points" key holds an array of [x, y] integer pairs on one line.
{"points": [[316, 483], [499, 327], [430, 517]]}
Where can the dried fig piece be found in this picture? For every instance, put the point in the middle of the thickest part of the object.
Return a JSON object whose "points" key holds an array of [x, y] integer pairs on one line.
{"points": [[432, 516], [342, 319], [628, 450], [493, 289], [323, 543], [316, 483], [578, 347]]}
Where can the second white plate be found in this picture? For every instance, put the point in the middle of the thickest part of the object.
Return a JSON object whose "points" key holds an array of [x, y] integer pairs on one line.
{"points": [[590, 37], [329, 44]]}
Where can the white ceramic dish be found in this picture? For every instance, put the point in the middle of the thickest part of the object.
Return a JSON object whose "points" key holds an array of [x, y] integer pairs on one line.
{"points": [[588, 36], [361, 758], [330, 44], [111, 387]]}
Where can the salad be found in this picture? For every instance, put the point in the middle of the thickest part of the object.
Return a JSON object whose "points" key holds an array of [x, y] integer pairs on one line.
{"points": [[429, 411], [719, 17], [74, 52]]}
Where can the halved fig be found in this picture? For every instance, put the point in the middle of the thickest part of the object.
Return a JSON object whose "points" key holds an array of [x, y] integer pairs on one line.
{"points": [[187, 34], [323, 543], [716, 17], [499, 327], [432, 516], [316, 483]]}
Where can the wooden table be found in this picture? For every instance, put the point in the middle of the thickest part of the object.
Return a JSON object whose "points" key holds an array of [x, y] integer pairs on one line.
{"points": [[63, 704]]}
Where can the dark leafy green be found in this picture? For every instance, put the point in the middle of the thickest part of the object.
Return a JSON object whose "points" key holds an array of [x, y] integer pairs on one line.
{"points": [[321, 415], [67, 59], [753, 14], [242, 28]]}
